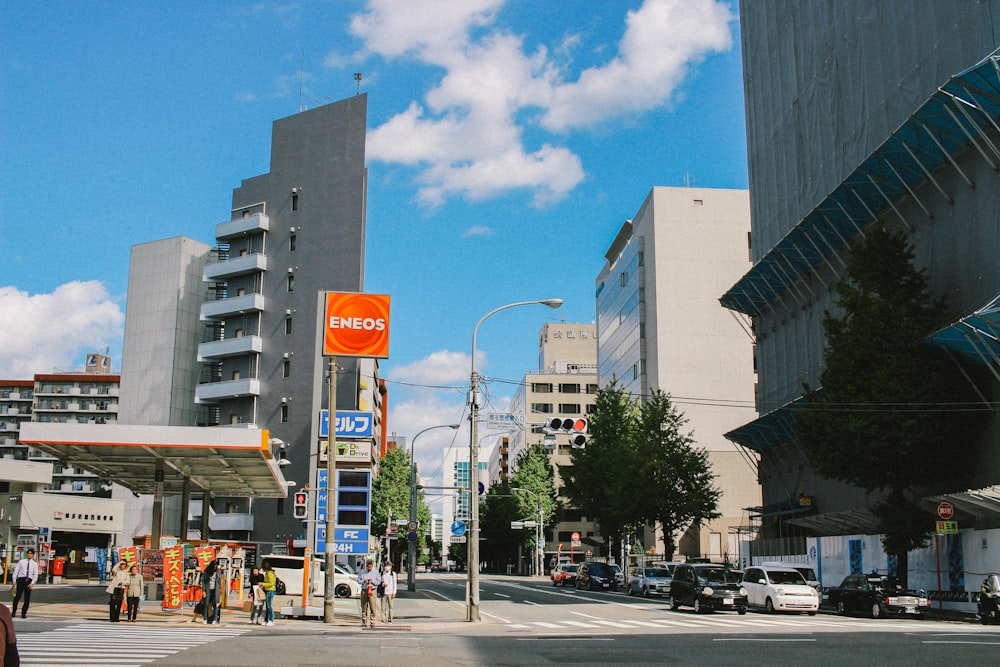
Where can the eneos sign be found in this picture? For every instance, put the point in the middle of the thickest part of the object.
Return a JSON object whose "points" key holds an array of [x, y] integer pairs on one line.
{"points": [[356, 325]]}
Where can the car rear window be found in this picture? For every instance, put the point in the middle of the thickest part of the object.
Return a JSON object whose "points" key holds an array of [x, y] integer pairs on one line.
{"points": [[658, 572]]}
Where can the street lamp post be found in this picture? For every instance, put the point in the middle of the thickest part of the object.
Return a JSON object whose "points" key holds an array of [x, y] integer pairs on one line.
{"points": [[411, 558], [472, 601], [538, 561]]}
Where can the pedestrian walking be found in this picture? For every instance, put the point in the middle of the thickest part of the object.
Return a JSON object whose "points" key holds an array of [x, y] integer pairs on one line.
{"points": [[117, 586], [256, 596], [8, 638], [211, 585], [388, 592], [369, 580], [25, 576], [133, 593], [270, 586]]}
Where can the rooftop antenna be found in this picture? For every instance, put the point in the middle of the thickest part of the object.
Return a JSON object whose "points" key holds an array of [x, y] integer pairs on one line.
{"points": [[688, 180], [357, 77], [302, 72]]}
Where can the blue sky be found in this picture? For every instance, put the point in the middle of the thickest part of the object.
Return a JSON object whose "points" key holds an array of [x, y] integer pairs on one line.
{"points": [[508, 141]]}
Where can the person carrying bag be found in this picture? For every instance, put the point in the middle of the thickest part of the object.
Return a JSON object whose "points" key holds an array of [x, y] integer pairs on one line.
{"points": [[116, 591]]}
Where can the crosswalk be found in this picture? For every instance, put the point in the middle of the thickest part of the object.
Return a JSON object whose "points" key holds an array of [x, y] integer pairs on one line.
{"points": [[117, 645], [687, 622]]}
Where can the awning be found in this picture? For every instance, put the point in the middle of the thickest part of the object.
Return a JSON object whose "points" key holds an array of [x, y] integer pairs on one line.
{"points": [[977, 502], [851, 522], [228, 462], [767, 431], [976, 336], [963, 112]]}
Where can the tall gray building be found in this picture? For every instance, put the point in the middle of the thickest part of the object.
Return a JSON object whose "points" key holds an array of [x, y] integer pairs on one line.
{"points": [[292, 233], [860, 113]]}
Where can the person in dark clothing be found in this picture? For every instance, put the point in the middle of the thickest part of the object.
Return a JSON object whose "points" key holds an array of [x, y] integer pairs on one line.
{"points": [[116, 590], [211, 583], [8, 639]]}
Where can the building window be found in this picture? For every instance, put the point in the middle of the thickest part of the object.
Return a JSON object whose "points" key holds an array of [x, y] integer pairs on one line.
{"points": [[290, 284], [541, 387], [288, 323], [543, 408], [286, 368], [234, 419], [280, 509], [591, 388], [569, 408], [569, 389], [284, 413], [291, 243], [591, 408], [236, 375], [623, 279], [295, 202]]}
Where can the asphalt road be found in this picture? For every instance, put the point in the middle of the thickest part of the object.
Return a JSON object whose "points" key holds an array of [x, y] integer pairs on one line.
{"points": [[525, 622]]}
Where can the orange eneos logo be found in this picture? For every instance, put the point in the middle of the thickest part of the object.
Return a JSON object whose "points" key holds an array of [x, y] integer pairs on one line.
{"points": [[356, 325]]}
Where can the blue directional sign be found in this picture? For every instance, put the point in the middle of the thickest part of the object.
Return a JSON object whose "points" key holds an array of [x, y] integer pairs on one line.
{"points": [[350, 424], [458, 528]]}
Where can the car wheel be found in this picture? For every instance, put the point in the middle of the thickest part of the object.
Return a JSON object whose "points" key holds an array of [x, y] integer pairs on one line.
{"points": [[811, 613], [741, 611], [645, 592], [841, 608], [698, 607], [342, 591], [876, 610], [768, 606], [674, 604]]}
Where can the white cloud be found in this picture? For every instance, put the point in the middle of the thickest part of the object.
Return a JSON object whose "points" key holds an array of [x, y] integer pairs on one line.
{"points": [[42, 332], [467, 136], [437, 369], [478, 230]]}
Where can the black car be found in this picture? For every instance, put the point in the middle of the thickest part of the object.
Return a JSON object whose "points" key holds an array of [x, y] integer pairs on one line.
{"points": [[877, 596], [707, 587], [595, 576]]}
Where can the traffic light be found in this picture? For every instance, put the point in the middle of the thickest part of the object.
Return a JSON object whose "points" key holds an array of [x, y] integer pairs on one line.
{"points": [[300, 510], [574, 427]]}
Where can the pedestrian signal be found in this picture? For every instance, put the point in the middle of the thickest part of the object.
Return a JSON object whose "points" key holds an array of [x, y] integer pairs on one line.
{"points": [[300, 509]]}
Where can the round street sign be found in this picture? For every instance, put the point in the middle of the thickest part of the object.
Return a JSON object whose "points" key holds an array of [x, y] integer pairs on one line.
{"points": [[458, 528], [411, 526], [945, 510], [575, 537]]}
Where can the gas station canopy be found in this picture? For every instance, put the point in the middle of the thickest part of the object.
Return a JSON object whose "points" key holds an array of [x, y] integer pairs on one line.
{"points": [[228, 462]]}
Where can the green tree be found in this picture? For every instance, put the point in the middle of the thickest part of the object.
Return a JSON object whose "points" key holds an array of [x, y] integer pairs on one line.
{"points": [[534, 473], [597, 482], [499, 543], [677, 474], [391, 492], [884, 419]]}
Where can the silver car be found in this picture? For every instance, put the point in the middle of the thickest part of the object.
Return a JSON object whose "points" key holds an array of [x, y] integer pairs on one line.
{"points": [[647, 581]]}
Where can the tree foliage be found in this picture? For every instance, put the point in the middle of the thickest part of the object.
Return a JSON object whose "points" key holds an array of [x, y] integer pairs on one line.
{"points": [[667, 460], [639, 466], [391, 491], [890, 417], [596, 483]]}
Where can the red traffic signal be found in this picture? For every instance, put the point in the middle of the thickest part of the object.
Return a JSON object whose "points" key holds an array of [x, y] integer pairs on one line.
{"points": [[574, 427], [300, 509]]}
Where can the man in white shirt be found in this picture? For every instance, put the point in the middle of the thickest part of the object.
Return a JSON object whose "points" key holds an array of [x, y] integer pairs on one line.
{"points": [[25, 576]]}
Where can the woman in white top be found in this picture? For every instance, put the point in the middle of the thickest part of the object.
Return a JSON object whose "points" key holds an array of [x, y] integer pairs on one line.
{"points": [[388, 592]]}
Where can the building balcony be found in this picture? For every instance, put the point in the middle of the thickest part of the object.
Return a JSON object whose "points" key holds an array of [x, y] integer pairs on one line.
{"points": [[237, 305], [214, 392], [230, 347], [251, 224], [228, 521], [236, 266]]}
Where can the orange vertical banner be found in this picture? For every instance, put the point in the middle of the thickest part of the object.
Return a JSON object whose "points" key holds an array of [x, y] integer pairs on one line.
{"points": [[173, 578]]}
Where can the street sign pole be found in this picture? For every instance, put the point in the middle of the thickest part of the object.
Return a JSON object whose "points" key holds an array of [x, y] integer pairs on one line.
{"points": [[331, 496]]}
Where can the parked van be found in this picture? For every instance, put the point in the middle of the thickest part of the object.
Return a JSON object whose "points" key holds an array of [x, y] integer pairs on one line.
{"points": [[289, 570], [807, 572]]}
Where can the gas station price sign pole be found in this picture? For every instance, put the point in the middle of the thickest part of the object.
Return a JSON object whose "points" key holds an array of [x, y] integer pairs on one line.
{"points": [[353, 325]]}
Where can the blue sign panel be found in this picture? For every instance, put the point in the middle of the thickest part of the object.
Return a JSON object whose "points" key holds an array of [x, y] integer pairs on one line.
{"points": [[458, 528], [350, 424], [353, 521]]}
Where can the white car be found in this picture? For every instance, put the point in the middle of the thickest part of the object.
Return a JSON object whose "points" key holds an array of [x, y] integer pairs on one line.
{"points": [[289, 570], [779, 588]]}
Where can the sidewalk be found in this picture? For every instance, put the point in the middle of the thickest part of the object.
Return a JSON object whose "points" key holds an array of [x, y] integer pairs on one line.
{"points": [[412, 611]]}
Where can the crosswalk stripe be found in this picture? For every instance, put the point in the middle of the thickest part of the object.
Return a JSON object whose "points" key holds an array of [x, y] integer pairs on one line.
{"points": [[580, 624], [96, 644]]}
